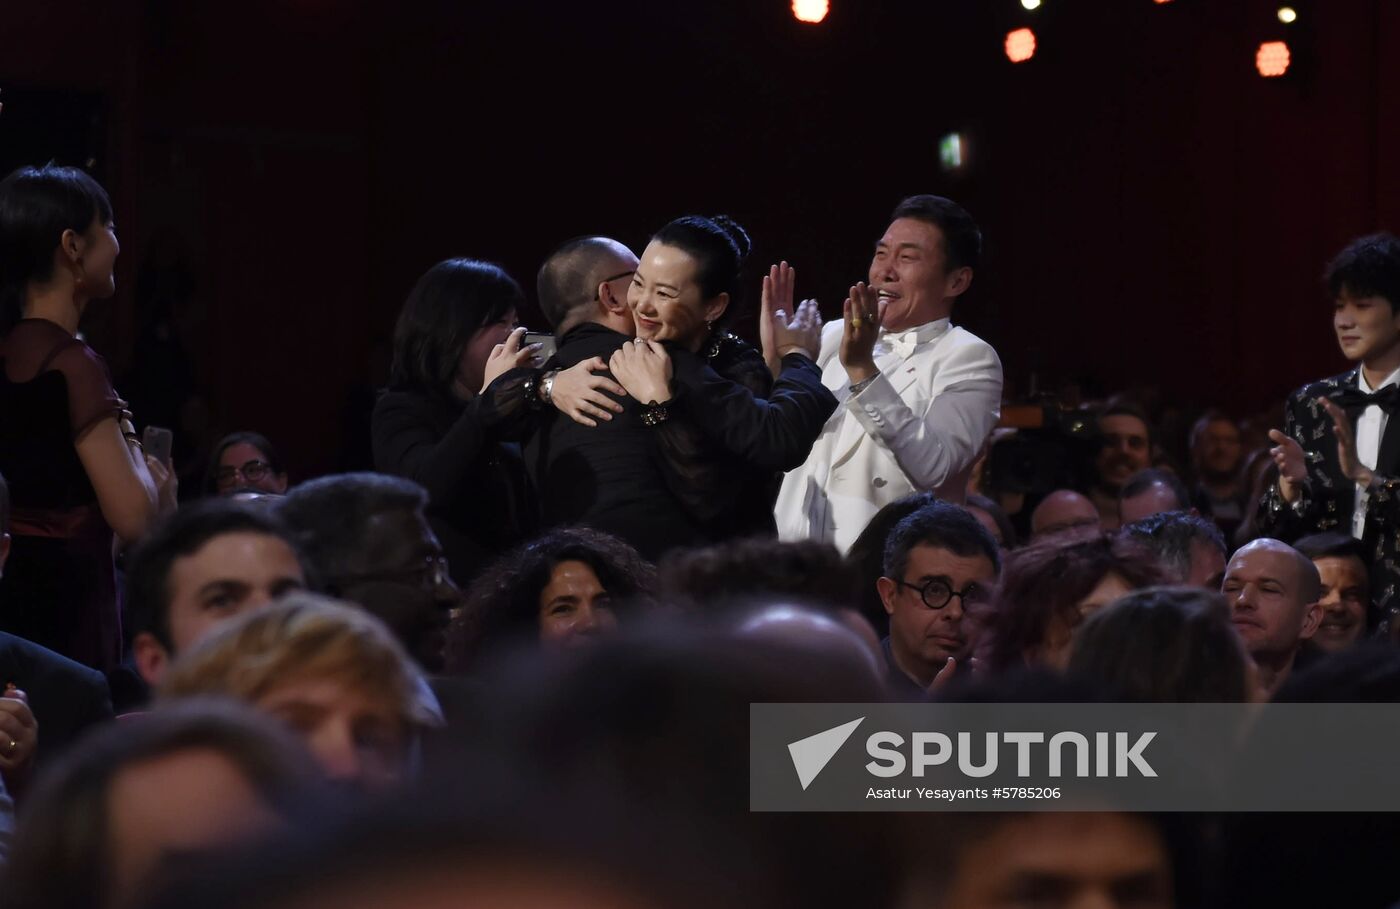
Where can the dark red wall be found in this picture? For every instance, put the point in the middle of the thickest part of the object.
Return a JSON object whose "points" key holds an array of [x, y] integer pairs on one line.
{"points": [[1156, 213]]}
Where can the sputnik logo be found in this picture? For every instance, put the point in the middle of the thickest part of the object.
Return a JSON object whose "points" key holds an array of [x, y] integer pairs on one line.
{"points": [[812, 754]]}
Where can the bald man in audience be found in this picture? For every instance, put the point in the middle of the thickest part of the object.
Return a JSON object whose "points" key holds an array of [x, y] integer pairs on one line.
{"points": [[1062, 511], [1273, 591]]}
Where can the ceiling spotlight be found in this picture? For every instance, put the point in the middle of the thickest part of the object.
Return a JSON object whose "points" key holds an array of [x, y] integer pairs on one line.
{"points": [[1031, 4], [1272, 59], [1287, 15], [812, 11], [1020, 45]]}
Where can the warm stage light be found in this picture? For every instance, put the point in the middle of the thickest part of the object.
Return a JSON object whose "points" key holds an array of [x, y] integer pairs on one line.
{"points": [[1031, 4], [810, 10], [1161, 1], [1287, 15], [1020, 45], [1272, 59]]}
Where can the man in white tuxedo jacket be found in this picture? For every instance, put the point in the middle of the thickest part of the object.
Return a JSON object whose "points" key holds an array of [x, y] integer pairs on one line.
{"points": [[919, 397]]}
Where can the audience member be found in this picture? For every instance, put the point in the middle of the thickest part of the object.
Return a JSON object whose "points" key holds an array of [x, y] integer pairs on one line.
{"points": [[1051, 586], [1342, 566], [141, 798], [209, 561], [1065, 511], [446, 421], [1273, 591], [1063, 859], [1127, 449], [1217, 456], [991, 516], [1188, 548], [367, 540], [739, 416], [920, 397], [564, 590], [940, 573], [1164, 645], [244, 461], [332, 673], [1151, 491], [867, 557], [67, 695], [1338, 454], [67, 444]]}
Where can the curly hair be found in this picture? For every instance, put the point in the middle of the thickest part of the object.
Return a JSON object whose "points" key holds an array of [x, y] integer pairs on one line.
{"points": [[1047, 579], [503, 604]]}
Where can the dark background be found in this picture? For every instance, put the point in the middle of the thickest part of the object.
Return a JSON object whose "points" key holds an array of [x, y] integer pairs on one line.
{"points": [[1156, 213]]}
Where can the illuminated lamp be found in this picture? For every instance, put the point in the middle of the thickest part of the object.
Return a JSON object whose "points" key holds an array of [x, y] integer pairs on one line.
{"points": [[1020, 45]]}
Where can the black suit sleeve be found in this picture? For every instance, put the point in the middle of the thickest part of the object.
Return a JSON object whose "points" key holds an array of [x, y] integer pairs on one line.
{"points": [[772, 434], [408, 442]]}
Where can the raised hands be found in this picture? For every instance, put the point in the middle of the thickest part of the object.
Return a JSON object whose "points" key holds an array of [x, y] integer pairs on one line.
{"points": [[862, 312], [1292, 464], [782, 331], [644, 369], [1352, 468], [507, 356], [580, 392]]}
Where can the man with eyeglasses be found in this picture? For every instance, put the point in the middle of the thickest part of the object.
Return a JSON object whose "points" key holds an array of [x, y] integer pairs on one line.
{"points": [[941, 567]]}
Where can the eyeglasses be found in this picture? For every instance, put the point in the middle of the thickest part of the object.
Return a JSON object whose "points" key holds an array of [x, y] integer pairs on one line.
{"points": [[251, 471], [937, 593], [431, 574], [625, 274]]}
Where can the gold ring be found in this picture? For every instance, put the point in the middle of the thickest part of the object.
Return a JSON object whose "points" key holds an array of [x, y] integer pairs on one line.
{"points": [[856, 322]]}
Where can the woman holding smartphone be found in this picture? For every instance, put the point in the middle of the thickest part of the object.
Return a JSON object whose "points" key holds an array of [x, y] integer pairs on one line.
{"points": [[76, 471]]}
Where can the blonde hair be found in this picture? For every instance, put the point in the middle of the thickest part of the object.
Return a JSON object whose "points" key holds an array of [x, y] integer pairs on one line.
{"points": [[303, 635]]}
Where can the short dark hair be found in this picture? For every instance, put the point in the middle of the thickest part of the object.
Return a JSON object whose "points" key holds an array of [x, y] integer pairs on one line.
{"points": [[565, 283], [257, 440], [944, 526], [182, 534], [327, 516], [451, 302], [1331, 544], [741, 572], [37, 204], [1169, 534], [962, 239], [718, 244], [1163, 645], [1368, 267], [1145, 479], [61, 857], [1004, 525], [1122, 407], [1048, 578], [503, 608]]}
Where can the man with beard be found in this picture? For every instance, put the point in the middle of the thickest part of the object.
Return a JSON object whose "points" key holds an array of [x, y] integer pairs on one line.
{"points": [[1127, 449]]}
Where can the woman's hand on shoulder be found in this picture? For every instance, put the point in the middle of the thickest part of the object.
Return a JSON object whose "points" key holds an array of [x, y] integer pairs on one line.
{"points": [[581, 392], [644, 369]]}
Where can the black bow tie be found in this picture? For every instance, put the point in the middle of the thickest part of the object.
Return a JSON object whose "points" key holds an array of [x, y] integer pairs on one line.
{"points": [[1354, 401]]}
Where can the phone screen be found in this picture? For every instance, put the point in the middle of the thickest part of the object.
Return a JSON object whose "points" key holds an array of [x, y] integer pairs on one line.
{"points": [[546, 341], [157, 442]]}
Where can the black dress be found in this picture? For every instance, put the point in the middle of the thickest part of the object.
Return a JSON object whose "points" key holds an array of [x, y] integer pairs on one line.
{"points": [[59, 589], [479, 500]]}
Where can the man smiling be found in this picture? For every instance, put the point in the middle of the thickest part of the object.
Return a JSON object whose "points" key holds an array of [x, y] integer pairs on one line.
{"points": [[919, 395], [1339, 452]]}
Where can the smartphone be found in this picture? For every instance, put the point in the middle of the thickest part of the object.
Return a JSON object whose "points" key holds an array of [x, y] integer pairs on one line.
{"points": [[157, 441], [546, 341]]}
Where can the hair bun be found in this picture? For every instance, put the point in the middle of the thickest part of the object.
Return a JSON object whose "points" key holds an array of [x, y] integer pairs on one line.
{"points": [[736, 233]]}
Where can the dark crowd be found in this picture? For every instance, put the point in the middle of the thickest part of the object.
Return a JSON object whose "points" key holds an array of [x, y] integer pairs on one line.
{"points": [[511, 667]]}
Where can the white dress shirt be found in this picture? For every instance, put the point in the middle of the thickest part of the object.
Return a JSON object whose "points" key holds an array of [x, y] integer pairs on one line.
{"points": [[919, 425], [1370, 429]]}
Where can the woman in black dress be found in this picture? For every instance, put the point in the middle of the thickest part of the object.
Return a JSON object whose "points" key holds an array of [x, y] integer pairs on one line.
{"points": [[735, 418], [457, 396], [68, 449]]}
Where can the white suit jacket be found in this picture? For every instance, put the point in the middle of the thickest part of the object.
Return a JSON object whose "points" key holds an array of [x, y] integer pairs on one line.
{"points": [[918, 426]]}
